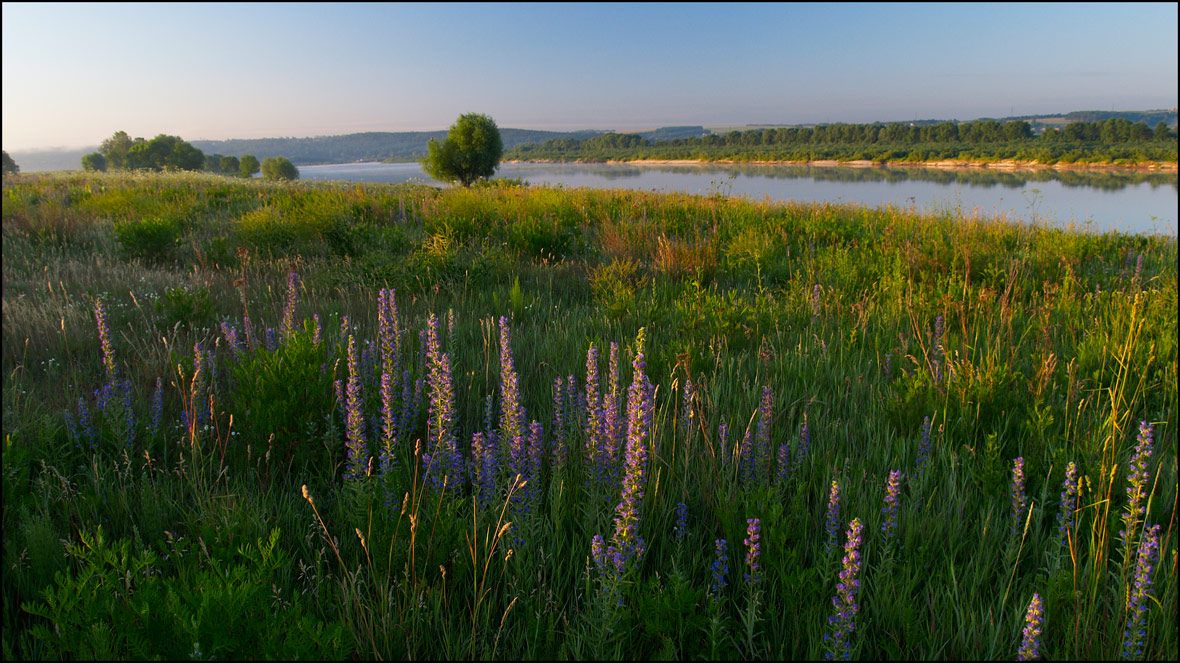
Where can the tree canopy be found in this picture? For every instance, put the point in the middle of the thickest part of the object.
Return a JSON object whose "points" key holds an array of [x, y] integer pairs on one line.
{"points": [[10, 167], [94, 161], [249, 165], [471, 151], [279, 168]]}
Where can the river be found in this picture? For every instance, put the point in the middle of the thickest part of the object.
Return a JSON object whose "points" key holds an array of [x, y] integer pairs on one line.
{"points": [[1089, 200]]}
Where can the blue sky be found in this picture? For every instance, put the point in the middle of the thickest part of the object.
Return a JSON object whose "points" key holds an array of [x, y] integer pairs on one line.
{"points": [[75, 74]]}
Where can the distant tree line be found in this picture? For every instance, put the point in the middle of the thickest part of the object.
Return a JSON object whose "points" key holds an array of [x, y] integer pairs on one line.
{"points": [[171, 153], [1113, 139]]}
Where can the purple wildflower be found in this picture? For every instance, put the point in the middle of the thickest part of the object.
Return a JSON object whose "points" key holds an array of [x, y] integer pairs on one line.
{"points": [[680, 529], [612, 426], [231, 338], [762, 436], [815, 302], [288, 324], [784, 464], [924, 447], [1135, 635], [833, 517], [1139, 267], [843, 622], [599, 553], [248, 328], [84, 424], [483, 468], [271, 343], [892, 487], [440, 433], [72, 429], [512, 413], [753, 550], [593, 419], [720, 569], [746, 456], [316, 330], [358, 452], [628, 544], [536, 452], [1031, 641], [559, 425], [1137, 480], [804, 445], [1069, 502], [104, 338], [1019, 501]]}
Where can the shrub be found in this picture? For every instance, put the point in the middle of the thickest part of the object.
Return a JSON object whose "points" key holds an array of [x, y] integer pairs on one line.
{"points": [[289, 394], [153, 239]]}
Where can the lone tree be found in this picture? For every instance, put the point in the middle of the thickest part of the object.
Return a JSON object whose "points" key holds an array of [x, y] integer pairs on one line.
{"points": [[249, 165], [279, 168], [10, 167], [94, 161], [471, 151]]}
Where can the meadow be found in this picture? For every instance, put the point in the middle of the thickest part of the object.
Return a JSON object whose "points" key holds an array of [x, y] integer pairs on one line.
{"points": [[249, 419]]}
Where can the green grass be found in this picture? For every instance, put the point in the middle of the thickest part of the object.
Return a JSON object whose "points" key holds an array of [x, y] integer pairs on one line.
{"points": [[198, 541]]}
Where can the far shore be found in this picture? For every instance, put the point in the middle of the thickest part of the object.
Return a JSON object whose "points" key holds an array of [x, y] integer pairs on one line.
{"points": [[950, 164]]}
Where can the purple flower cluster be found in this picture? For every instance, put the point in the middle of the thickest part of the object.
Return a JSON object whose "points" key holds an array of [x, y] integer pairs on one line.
{"points": [[358, 451], [1135, 634], [389, 339], [610, 436], [843, 622], [593, 414], [288, 324], [1137, 480], [833, 517], [104, 338], [753, 550], [762, 436], [815, 302], [484, 468], [680, 529], [231, 338], [804, 445], [720, 569], [1030, 643], [892, 488], [1019, 500], [1069, 502], [924, 447], [512, 413], [441, 458], [628, 545]]}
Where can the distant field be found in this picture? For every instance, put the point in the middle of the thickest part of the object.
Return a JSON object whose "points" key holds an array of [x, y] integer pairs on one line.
{"points": [[246, 419]]}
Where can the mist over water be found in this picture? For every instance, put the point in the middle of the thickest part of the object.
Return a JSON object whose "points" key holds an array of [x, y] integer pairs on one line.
{"points": [[1095, 201]]}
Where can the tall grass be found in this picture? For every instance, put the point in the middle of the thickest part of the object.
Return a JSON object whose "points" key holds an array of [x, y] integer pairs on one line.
{"points": [[301, 498]]}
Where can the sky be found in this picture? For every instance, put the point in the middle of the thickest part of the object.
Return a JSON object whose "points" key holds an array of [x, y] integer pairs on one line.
{"points": [[73, 74]]}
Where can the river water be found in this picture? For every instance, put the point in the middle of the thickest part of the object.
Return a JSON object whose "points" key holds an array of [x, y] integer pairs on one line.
{"points": [[1093, 200]]}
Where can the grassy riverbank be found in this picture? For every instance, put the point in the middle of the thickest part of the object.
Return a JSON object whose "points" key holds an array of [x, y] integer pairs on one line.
{"points": [[184, 476]]}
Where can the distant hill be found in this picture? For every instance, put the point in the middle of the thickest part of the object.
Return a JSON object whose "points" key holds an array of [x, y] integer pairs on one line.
{"points": [[672, 133], [371, 146]]}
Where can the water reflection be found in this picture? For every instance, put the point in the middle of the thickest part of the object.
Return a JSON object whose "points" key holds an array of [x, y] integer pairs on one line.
{"points": [[975, 177]]}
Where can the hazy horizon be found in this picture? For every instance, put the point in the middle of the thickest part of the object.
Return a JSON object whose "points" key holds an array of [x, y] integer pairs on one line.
{"points": [[75, 74]]}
